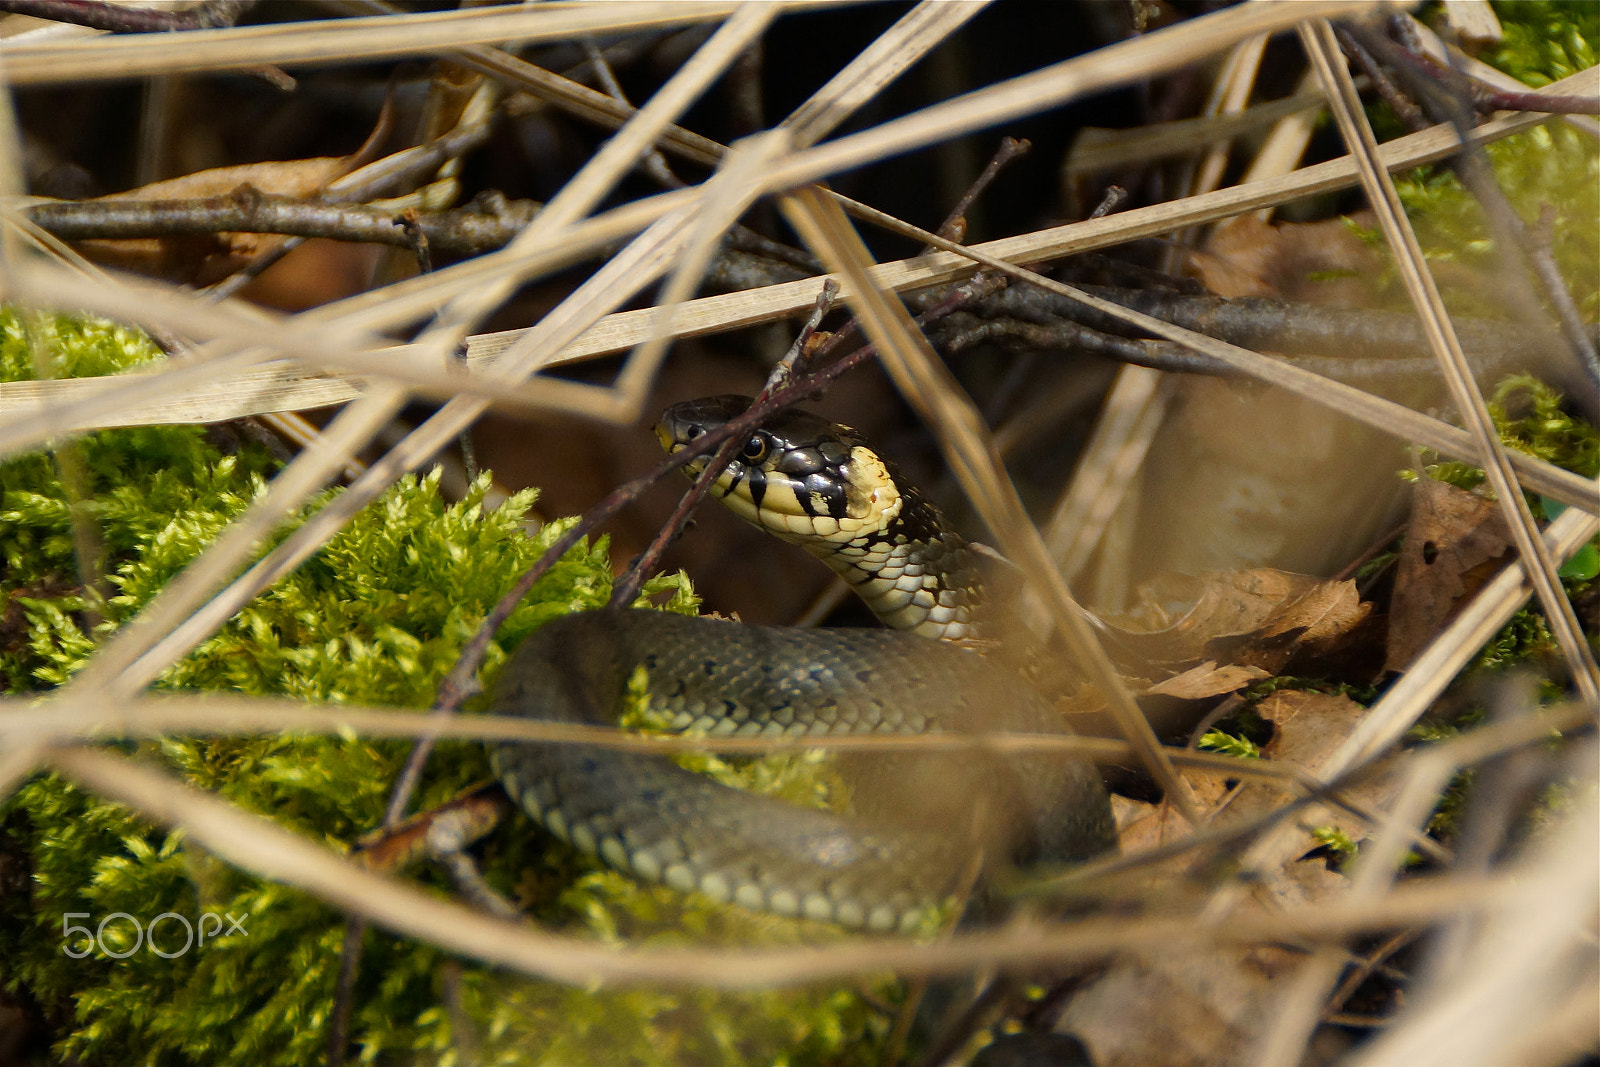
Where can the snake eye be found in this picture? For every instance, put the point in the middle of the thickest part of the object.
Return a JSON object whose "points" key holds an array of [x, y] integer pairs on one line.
{"points": [[754, 450], [692, 432]]}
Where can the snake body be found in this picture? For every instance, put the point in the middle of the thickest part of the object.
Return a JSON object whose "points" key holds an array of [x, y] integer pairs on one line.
{"points": [[880, 870]]}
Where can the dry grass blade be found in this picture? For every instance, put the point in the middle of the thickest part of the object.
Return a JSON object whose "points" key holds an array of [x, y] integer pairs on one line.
{"points": [[397, 305], [728, 195], [1384, 414], [329, 328], [1449, 652], [1115, 65], [1405, 702], [136, 657], [929, 387], [1371, 878], [1382, 727], [28, 728], [1525, 993], [1122, 438], [248, 362], [258, 845], [291, 44], [170, 626], [879, 64]]}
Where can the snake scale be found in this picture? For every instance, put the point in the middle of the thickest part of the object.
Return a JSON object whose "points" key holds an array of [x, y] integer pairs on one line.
{"points": [[924, 822]]}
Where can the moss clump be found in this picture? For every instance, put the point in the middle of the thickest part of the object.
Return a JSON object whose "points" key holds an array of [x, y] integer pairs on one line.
{"points": [[1548, 174], [376, 617], [1546, 40], [1241, 747], [1339, 845], [1527, 413], [1527, 417]]}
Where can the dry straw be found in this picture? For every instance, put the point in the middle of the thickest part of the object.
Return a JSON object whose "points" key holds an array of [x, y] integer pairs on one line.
{"points": [[246, 361]]}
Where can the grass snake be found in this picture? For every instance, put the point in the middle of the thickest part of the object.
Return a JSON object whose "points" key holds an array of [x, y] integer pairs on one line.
{"points": [[922, 824]]}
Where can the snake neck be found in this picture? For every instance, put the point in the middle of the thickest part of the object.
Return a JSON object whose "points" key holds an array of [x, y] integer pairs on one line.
{"points": [[907, 565]]}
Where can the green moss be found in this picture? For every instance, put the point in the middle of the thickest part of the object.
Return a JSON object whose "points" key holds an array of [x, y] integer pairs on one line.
{"points": [[1337, 842], [1445, 822], [1549, 174], [1546, 40], [1229, 745], [1528, 415], [376, 617], [74, 347], [1523, 638]]}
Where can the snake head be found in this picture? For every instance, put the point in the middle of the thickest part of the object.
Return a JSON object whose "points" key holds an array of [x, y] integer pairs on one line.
{"points": [[817, 484], [799, 476]]}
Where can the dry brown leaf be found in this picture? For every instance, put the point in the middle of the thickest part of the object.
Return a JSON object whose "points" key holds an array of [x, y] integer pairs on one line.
{"points": [[288, 177], [1325, 610], [1145, 826], [1203, 1009], [1196, 1009], [189, 259], [1305, 881], [1180, 614], [1260, 618], [1456, 542], [1206, 680], [1289, 261], [1310, 726]]}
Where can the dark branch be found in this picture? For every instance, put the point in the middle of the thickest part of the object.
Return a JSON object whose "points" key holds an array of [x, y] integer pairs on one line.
{"points": [[128, 18], [486, 224], [1361, 345]]}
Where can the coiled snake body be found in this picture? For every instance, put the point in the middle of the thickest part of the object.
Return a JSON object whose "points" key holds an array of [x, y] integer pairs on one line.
{"points": [[815, 483]]}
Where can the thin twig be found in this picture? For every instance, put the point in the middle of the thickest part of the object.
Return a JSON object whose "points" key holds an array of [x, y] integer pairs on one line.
{"points": [[653, 162], [627, 587], [954, 226], [351, 950]]}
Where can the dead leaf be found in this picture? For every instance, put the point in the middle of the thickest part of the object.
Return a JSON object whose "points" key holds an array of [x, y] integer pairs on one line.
{"points": [[1260, 618], [1308, 729], [1323, 611], [290, 177], [1305, 881], [1208, 1008], [1146, 826], [1456, 542], [1289, 261], [1206, 680], [1310, 726], [1188, 1009]]}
